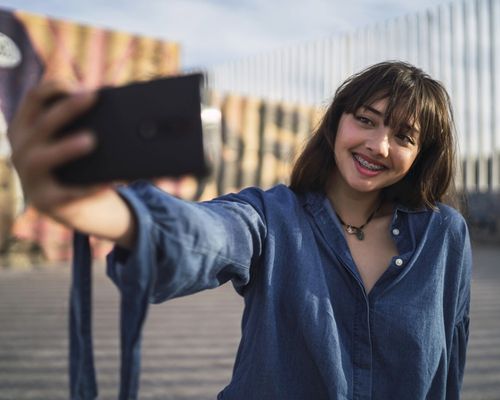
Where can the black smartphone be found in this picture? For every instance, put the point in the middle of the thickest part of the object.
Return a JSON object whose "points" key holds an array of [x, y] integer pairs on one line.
{"points": [[143, 130]]}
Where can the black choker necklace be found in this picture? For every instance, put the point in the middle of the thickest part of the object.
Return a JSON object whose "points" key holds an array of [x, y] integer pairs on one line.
{"points": [[357, 230]]}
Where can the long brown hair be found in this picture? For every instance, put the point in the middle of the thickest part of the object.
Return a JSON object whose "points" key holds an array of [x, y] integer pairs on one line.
{"points": [[413, 96]]}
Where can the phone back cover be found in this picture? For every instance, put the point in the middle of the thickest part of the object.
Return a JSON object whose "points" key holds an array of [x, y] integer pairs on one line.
{"points": [[144, 130]]}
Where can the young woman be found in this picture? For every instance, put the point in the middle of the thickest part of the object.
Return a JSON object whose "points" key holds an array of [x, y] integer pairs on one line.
{"points": [[356, 277]]}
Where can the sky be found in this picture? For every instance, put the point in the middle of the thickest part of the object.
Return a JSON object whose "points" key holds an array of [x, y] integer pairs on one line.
{"points": [[212, 32]]}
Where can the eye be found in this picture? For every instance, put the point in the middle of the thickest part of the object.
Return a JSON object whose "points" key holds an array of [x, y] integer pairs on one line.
{"points": [[364, 120], [406, 139]]}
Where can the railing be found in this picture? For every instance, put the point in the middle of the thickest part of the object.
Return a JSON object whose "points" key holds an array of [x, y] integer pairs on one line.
{"points": [[457, 43]]}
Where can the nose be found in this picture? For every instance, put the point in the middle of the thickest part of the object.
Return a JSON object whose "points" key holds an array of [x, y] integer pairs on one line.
{"points": [[378, 142]]}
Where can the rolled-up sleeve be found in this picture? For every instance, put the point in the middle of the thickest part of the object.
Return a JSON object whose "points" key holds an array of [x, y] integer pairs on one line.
{"points": [[186, 246]]}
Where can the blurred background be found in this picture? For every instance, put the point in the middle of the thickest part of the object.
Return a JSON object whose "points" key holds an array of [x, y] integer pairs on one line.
{"points": [[270, 68]]}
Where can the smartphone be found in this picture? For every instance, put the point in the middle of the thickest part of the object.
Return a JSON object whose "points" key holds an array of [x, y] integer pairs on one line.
{"points": [[143, 130]]}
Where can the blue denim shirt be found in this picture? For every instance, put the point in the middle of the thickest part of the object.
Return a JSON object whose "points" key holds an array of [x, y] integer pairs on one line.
{"points": [[309, 329]]}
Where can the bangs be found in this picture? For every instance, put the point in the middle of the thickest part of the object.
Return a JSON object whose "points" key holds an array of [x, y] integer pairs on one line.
{"points": [[404, 112], [408, 107], [415, 101]]}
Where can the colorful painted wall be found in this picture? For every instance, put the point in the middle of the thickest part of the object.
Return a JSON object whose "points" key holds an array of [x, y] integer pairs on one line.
{"points": [[35, 47]]}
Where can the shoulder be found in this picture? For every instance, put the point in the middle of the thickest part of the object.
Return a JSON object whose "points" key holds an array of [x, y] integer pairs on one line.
{"points": [[278, 202], [440, 217], [451, 219], [277, 196], [451, 226], [442, 224]]}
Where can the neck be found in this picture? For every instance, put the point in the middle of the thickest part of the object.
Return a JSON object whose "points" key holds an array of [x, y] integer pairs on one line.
{"points": [[354, 207]]}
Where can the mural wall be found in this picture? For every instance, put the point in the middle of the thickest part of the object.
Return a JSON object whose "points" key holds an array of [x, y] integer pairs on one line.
{"points": [[34, 47]]}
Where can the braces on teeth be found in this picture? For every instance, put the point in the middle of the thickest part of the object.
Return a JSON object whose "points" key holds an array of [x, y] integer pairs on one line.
{"points": [[366, 164]]}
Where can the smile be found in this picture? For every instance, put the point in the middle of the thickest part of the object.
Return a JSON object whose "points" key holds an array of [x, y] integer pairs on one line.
{"points": [[368, 165]]}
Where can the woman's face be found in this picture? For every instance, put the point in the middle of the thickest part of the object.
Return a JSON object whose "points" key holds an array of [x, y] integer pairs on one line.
{"points": [[370, 155]]}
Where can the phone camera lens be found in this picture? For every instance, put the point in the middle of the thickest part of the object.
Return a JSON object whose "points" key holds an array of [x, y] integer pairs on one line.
{"points": [[148, 130]]}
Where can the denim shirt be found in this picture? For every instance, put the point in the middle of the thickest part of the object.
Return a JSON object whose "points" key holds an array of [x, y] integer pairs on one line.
{"points": [[309, 328]]}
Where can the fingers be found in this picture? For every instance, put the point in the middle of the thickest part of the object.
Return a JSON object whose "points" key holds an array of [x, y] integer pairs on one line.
{"points": [[62, 113], [38, 97], [46, 109], [66, 149]]}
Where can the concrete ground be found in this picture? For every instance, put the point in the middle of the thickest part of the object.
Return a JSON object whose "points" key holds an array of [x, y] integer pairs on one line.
{"points": [[189, 343]]}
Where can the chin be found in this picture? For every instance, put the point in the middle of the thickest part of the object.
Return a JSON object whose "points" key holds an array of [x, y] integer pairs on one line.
{"points": [[363, 187]]}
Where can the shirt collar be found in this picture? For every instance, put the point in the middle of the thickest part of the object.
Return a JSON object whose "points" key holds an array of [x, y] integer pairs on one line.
{"points": [[315, 202], [409, 210]]}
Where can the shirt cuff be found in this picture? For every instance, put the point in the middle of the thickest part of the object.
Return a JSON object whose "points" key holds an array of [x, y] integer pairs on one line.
{"points": [[132, 270]]}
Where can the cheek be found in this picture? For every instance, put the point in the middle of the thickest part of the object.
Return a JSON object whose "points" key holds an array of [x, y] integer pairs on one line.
{"points": [[346, 134], [406, 161], [339, 145], [344, 141]]}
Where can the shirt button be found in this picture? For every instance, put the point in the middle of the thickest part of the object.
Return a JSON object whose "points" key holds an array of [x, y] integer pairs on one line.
{"points": [[395, 231], [399, 262]]}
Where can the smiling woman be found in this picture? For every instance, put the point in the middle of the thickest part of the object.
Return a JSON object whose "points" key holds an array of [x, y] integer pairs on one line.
{"points": [[356, 278], [386, 139], [370, 155]]}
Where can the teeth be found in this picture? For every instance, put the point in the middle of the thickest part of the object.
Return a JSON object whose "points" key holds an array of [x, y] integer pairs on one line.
{"points": [[368, 165]]}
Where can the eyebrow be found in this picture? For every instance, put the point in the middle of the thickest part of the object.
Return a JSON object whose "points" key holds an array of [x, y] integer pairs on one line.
{"points": [[410, 128], [373, 110]]}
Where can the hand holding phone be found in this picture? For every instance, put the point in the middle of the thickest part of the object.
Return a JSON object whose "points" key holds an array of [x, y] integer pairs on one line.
{"points": [[143, 130]]}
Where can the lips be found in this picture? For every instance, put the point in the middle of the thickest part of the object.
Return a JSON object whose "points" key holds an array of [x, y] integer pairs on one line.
{"points": [[370, 165]]}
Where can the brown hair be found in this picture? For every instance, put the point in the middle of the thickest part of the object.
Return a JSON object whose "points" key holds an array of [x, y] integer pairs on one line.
{"points": [[413, 96]]}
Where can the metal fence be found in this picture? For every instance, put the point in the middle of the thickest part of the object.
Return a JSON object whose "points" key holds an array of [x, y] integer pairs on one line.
{"points": [[457, 43]]}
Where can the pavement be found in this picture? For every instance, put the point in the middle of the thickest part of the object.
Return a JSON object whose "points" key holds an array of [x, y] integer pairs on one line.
{"points": [[189, 343]]}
